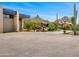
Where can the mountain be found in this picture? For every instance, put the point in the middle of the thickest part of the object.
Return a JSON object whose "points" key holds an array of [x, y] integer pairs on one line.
{"points": [[63, 19], [42, 20]]}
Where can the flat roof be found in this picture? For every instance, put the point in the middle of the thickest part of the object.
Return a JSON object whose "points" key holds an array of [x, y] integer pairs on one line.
{"points": [[12, 12]]}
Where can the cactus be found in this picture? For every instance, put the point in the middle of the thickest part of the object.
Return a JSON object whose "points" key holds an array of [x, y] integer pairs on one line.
{"points": [[57, 20], [74, 19]]}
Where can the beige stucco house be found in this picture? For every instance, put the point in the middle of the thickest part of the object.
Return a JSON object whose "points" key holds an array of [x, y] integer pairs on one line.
{"points": [[11, 20]]}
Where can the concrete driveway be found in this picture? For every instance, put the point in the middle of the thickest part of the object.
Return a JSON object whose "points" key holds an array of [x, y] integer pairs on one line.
{"points": [[38, 44]]}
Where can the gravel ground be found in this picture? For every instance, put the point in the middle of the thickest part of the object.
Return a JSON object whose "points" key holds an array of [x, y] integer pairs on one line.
{"points": [[38, 44]]}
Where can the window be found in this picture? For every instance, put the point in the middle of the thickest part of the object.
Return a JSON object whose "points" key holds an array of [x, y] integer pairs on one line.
{"points": [[11, 16], [6, 16]]}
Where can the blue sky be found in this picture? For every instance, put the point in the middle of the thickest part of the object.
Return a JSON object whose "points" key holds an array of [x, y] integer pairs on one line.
{"points": [[46, 10]]}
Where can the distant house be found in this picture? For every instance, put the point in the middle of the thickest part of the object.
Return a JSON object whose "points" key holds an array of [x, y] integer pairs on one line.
{"points": [[11, 20]]}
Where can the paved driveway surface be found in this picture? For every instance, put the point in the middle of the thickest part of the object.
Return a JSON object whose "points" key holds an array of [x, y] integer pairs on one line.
{"points": [[38, 44]]}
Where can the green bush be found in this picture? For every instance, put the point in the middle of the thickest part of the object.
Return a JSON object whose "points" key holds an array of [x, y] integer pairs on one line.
{"points": [[37, 28], [33, 25], [28, 25], [51, 27], [77, 27], [36, 25], [68, 26]]}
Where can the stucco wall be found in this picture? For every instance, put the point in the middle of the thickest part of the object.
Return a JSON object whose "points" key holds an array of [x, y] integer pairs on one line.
{"points": [[1, 19], [8, 25]]}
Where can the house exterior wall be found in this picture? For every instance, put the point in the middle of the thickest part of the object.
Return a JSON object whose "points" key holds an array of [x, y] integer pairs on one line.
{"points": [[8, 25], [11, 22], [1, 19]]}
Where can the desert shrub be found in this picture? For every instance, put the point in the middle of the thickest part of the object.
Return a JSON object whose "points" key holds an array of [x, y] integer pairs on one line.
{"points": [[28, 25], [51, 27], [36, 25], [68, 26], [33, 25], [77, 27]]}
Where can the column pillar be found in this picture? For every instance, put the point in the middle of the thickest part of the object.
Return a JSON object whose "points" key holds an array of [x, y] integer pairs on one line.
{"points": [[16, 21], [1, 19], [22, 24]]}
